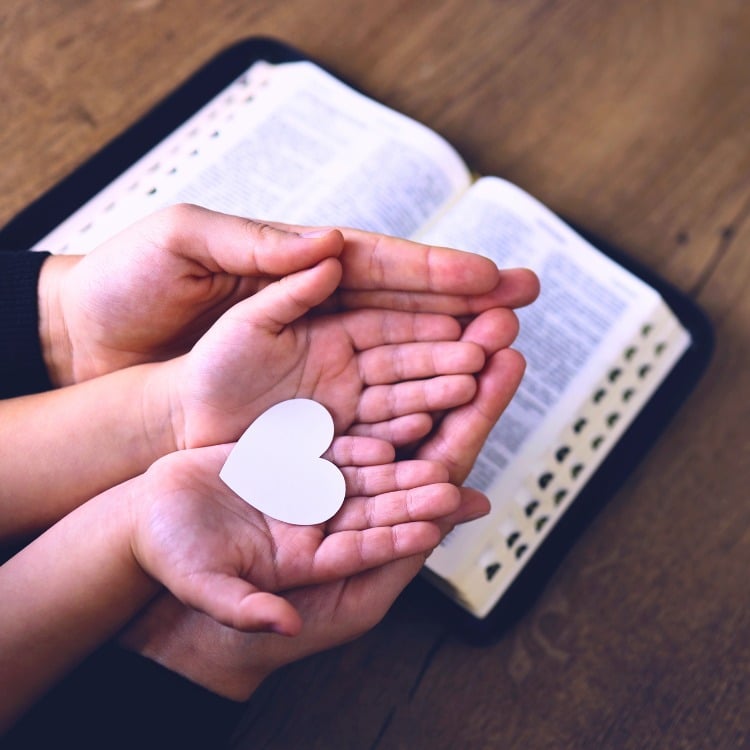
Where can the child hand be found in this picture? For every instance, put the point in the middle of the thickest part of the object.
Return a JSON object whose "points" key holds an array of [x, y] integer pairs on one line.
{"points": [[221, 556], [368, 367], [233, 663]]}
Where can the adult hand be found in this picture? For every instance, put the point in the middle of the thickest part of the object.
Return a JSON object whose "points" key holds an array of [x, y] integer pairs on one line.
{"points": [[150, 292], [461, 433]]}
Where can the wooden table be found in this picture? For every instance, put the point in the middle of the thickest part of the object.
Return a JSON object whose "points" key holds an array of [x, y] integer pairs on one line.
{"points": [[631, 119]]}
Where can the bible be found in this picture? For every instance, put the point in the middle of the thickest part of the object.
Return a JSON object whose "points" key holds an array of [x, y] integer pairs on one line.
{"points": [[611, 350]]}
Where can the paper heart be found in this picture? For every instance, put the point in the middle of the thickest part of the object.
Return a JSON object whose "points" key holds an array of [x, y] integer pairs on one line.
{"points": [[276, 466]]}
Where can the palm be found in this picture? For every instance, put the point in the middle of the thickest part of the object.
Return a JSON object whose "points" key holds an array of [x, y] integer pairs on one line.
{"points": [[302, 361], [159, 306], [353, 363], [215, 552], [114, 336]]}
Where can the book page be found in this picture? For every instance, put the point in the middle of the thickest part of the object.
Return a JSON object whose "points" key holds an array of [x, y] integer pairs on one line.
{"points": [[580, 335], [289, 143]]}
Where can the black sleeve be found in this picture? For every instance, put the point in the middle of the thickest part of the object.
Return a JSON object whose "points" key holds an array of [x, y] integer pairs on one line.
{"points": [[22, 368], [118, 699]]}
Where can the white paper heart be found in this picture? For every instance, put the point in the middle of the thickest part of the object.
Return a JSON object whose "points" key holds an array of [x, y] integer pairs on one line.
{"points": [[276, 465]]}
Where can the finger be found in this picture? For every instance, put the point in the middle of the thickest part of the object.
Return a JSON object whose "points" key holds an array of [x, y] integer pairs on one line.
{"points": [[399, 431], [424, 503], [350, 450], [284, 301], [357, 605], [347, 553], [370, 328], [473, 504], [264, 612], [234, 602], [383, 402], [462, 432], [379, 587], [241, 246], [493, 330], [395, 363], [516, 287], [373, 262], [376, 261], [399, 475]]}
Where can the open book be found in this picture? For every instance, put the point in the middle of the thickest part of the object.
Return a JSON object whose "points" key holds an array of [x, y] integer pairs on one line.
{"points": [[269, 135]]}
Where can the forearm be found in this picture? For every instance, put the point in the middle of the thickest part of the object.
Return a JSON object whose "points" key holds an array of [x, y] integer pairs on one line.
{"points": [[63, 595], [62, 447]]}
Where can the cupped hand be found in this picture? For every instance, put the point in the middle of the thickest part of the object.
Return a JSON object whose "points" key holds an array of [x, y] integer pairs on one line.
{"points": [[221, 556], [373, 368], [151, 291], [233, 663]]}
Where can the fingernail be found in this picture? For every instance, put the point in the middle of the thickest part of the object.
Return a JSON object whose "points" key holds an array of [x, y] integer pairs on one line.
{"points": [[474, 515], [315, 233]]}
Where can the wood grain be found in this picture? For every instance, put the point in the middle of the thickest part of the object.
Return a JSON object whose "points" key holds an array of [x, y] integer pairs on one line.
{"points": [[629, 118]]}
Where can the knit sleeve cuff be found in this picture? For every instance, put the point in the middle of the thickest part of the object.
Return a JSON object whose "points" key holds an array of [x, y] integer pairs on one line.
{"points": [[22, 368]]}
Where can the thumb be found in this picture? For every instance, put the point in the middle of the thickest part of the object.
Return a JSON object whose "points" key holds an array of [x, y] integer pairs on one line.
{"points": [[236, 603], [288, 299], [243, 247]]}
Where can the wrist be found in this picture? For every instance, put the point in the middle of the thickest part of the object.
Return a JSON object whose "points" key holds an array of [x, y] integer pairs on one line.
{"points": [[121, 505], [226, 662], [161, 412], [57, 348]]}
